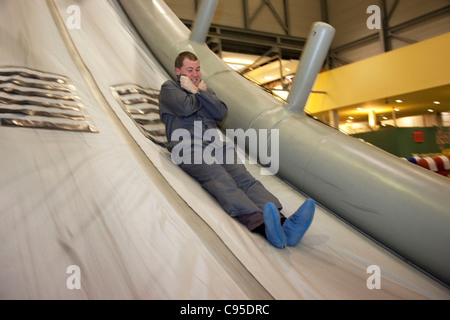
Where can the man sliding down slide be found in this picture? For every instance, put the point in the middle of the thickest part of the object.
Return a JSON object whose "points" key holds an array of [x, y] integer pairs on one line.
{"points": [[187, 103]]}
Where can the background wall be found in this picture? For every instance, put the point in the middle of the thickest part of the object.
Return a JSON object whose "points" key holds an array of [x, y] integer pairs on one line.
{"points": [[400, 141]]}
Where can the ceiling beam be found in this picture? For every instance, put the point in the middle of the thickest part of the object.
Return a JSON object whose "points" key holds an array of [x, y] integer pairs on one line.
{"points": [[267, 3], [254, 42], [385, 41], [324, 10]]}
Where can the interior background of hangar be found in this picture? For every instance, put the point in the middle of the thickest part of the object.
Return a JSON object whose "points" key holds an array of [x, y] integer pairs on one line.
{"points": [[263, 40]]}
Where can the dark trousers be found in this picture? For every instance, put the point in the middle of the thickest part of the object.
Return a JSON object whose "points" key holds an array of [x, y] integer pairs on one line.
{"points": [[237, 191]]}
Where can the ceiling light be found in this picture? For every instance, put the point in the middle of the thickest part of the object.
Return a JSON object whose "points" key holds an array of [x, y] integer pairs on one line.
{"points": [[385, 118], [236, 67], [282, 94], [436, 102], [430, 110], [399, 101], [359, 109], [351, 118], [396, 110], [372, 118], [238, 61]]}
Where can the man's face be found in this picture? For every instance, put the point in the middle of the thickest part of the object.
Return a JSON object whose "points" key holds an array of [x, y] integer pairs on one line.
{"points": [[191, 69]]}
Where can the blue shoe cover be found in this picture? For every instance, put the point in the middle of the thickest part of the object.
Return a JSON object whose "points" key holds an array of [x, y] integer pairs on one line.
{"points": [[296, 225], [274, 232]]}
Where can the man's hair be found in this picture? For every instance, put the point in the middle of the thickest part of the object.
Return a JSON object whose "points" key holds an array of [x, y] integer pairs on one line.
{"points": [[180, 58]]}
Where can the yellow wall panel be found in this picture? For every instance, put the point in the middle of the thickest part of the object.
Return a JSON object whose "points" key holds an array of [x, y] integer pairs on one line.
{"points": [[416, 67]]}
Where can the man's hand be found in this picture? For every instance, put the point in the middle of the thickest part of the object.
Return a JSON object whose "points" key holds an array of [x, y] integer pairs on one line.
{"points": [[202, 86], [187, 84]]}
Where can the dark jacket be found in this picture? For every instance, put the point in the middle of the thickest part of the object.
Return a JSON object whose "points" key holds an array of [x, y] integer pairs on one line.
{"points": [[179, 108]]}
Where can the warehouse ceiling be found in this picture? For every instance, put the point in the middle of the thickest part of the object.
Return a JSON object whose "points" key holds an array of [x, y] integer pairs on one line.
{"points": [[263, 40]]}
